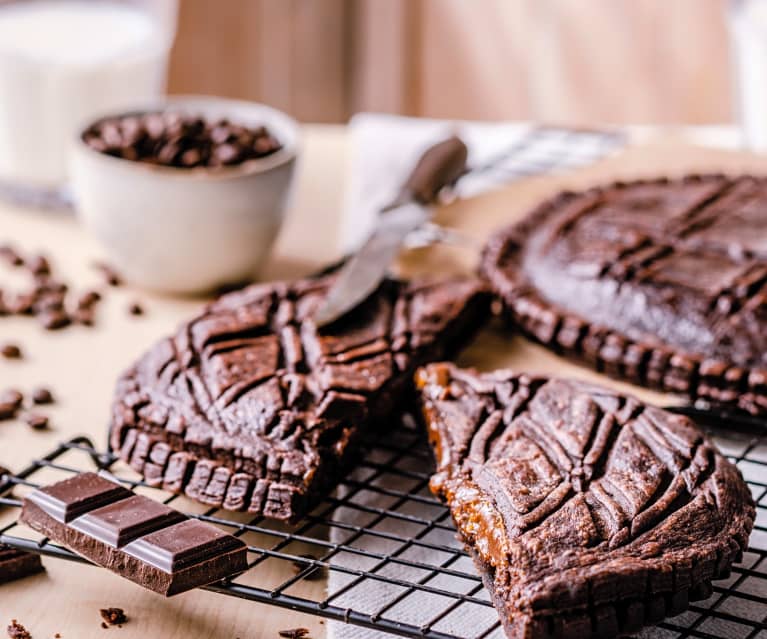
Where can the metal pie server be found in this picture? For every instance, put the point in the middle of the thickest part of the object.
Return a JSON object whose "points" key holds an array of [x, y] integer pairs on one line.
{"points": [[439, 166]]}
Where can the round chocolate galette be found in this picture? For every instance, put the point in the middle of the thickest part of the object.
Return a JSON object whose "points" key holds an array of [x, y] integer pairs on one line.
{"points": [[663, 282]]}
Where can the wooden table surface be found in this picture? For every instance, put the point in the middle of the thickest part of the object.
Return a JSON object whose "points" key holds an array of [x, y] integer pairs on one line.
{"points": [[81, 364]]}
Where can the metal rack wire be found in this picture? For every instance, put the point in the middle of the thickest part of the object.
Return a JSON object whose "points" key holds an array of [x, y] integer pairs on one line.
{"points": [[383, 530]]}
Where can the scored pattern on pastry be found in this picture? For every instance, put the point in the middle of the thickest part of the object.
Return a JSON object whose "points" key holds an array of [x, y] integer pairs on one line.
{"points": [[588, 513], [249, 407], [660, 281]]}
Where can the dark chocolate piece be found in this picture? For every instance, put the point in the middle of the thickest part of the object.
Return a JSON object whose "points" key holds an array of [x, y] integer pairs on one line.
{"points": [[663, 282], [250, 408], [15, 564], [588, 513], [136, 537]]}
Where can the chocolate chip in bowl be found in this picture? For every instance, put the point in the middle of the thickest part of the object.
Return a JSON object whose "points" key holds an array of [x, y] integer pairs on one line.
{"points": [[189, 195]]}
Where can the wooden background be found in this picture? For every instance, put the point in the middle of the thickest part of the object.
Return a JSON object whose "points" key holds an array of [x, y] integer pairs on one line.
{"points": [[575, 61]]}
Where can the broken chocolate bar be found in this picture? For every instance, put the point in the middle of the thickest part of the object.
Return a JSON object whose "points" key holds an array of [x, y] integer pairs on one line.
{"points": [[136, 537]]}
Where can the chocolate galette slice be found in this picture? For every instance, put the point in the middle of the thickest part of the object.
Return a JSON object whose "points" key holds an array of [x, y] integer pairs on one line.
{"points": [[588, 513], [663, 282], [249, 407]]}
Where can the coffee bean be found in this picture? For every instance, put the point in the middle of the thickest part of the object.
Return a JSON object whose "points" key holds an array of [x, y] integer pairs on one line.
{"points": [[226, 153], [49, 302], [190, 158], [88, 299], [132, 130], [10, 351], [39, 265], [12, 397], [220, 134], [136, 309], [110, 133], [110, 275], [54, 319], [36, 421], [173, 139], [21, 304], [7, 411], [9, 254], [41, 395]]}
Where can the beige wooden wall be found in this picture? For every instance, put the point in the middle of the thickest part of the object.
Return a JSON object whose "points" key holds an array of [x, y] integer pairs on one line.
{"points": [[579, 61]]}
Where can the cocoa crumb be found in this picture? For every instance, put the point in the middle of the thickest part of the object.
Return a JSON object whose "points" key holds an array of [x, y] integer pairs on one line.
{"points": [[113, 616], [104, 625], [17, 631]]}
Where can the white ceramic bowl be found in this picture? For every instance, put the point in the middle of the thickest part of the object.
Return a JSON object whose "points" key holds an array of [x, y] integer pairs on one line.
{"points": [[187, 230]]}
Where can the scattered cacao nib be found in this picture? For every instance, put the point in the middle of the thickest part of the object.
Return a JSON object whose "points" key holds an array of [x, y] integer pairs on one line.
{"points": [[11, 351], [36, 421], [42, 395], [294, 633], [113, 616], [17, 631], [182, 141]]}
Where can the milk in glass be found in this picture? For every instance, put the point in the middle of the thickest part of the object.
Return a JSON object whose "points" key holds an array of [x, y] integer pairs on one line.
{"points": [[62, 61]]}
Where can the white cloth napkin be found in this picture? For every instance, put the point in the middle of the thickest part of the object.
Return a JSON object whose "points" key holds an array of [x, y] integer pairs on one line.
{"points": [[384, 149]]}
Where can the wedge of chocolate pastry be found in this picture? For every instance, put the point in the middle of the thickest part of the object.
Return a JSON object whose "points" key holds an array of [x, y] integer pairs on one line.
{"points": [[588, 513], [248, 407], [663, 282], [15, 564]]}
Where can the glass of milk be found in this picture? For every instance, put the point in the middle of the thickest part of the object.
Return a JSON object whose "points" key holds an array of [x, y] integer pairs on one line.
{"points": [[63, 61], [748, 36]]}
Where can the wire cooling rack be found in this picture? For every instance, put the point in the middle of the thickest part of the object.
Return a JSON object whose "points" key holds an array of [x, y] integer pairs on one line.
{"points": [[382, 532]]}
